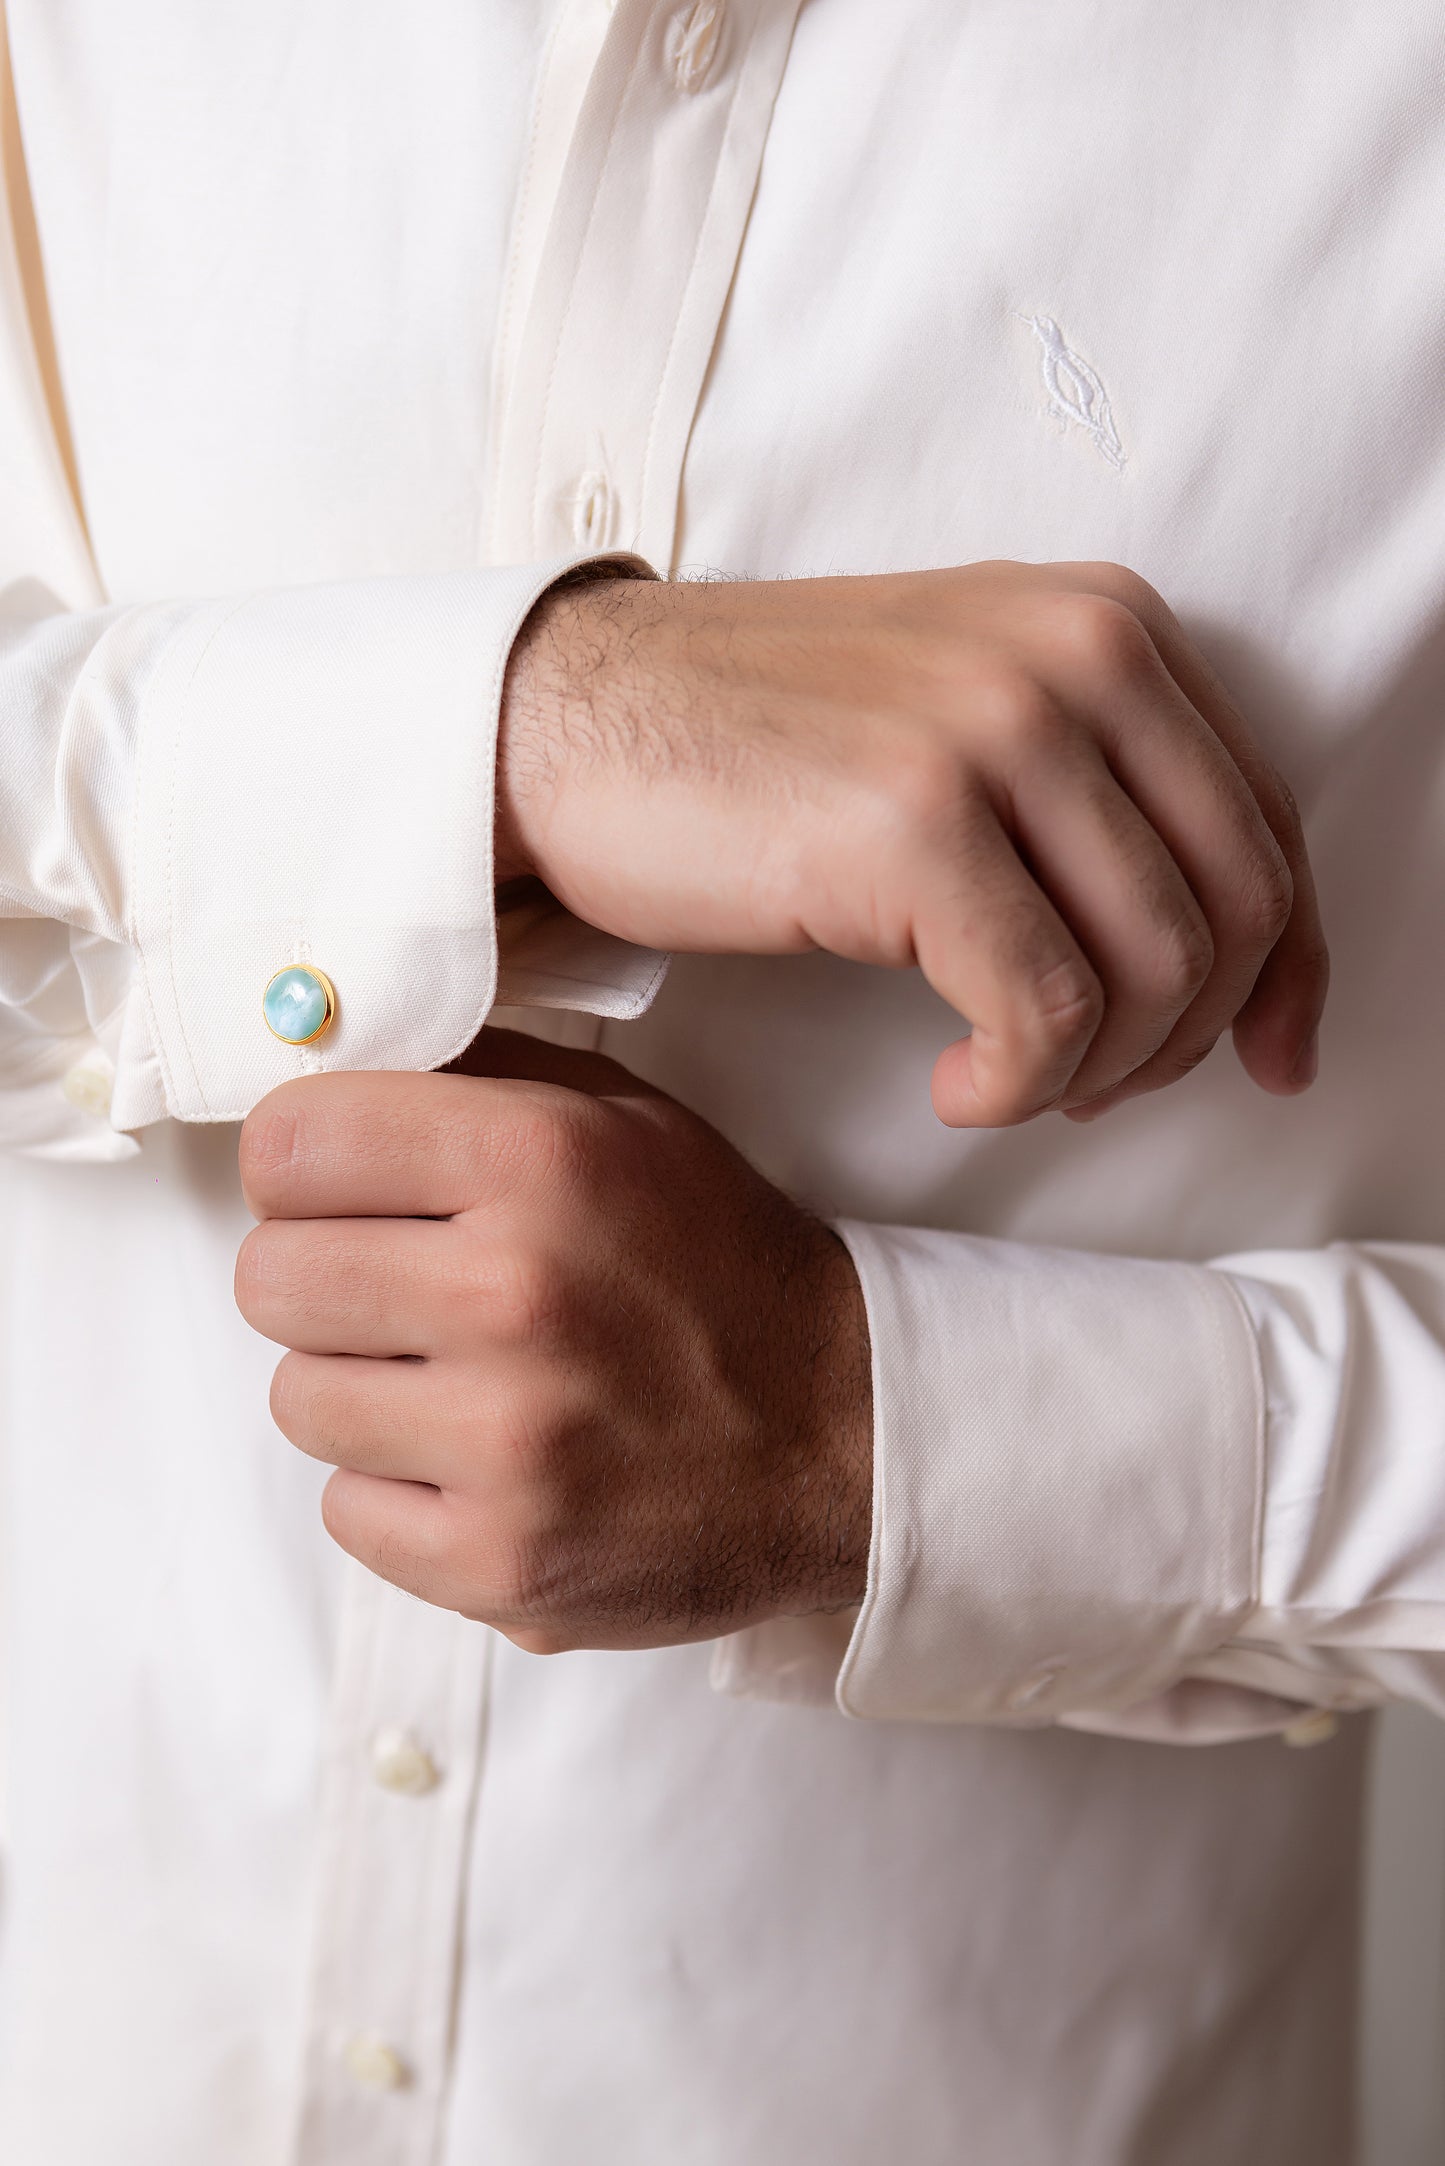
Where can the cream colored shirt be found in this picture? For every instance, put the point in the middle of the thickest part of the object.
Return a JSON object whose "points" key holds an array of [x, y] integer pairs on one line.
{"points": [[329, 334]]}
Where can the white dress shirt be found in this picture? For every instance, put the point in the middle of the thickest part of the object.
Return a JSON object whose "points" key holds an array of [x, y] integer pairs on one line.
{"points": [[329, 336]]}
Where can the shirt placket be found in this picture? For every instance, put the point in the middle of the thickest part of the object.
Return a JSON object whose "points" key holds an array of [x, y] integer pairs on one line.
{"points": [[599, 380], [641, 170], [398, 1790]]}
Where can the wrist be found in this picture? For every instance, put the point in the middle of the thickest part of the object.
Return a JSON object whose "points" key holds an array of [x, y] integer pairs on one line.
{"points": [[552, 688], [841, 1367]]}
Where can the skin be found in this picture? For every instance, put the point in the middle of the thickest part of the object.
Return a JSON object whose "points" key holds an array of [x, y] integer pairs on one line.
{"points": [[1023, 779], [583, 1374]]}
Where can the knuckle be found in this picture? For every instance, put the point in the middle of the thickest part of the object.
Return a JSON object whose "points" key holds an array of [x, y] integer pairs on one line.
{"points": [[294, 1400], [1117, 583], [917, 790], [1068, 1004], [532, 1135], [409, 1561], [288, 1278], [1184, 962], [322, 1414], [1265, 905], [272, 1146], [253, 1274], [1106, 637], [1023, 713], [336, 1514], [1023, 1076], [551, 1136], [298, 1276]]}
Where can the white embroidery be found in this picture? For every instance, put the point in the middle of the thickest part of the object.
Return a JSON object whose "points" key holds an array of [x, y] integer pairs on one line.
{"points": [[1075, 392]]}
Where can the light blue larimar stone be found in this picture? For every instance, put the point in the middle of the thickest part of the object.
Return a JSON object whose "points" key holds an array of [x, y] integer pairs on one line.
{"points": [[295, 1004]]}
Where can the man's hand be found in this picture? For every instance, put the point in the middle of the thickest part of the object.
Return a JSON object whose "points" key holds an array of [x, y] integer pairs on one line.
{"points": [[1023, 779], [583, 1373]]}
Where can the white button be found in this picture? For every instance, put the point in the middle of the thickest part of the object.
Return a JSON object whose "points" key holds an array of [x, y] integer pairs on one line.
{"points": [[693, 41], [88, 1085], [399, 1763], [1315, 1728], [1031, 1690], [594, 512], [374, 2063]]}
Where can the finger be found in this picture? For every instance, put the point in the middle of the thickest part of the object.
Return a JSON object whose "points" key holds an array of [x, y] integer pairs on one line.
{"points": [[393, 1146], [386, 1418], [452, 1424], [1277, 1031], [1277, 1028], [1124, 898], [427, 1146], [1197, 803], [1185, 782], [992, 944], [416, 1537], [381, 1287], [399, 1530]]}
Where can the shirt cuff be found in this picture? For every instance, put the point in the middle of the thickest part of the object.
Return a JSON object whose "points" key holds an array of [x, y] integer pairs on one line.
{"points": [[1067, 1478], [315, 785], [550, 959]]}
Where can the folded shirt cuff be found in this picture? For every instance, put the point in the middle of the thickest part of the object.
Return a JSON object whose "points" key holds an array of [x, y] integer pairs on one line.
{"points": [[549, 959], [315, 786], [1068, 1475]]}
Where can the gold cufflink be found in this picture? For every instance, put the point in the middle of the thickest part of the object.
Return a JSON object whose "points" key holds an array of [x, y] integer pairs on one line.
{"points": [[299, 1004]]}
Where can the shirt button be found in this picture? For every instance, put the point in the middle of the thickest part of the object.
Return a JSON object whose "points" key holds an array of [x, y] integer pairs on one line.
{"points": [[87, 1085], [693, 41], [399, 1763], [1315, 1728], [375, 2064]]}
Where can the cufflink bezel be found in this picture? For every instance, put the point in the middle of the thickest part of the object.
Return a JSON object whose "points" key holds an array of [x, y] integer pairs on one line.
{"points": [[328, 993]]}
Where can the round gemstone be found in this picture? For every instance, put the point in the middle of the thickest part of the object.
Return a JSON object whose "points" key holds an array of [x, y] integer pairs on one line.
{"points": [[297, 1004]]}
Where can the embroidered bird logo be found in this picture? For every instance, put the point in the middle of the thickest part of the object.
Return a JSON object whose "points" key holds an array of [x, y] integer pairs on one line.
{"points": [[1075, 391]]}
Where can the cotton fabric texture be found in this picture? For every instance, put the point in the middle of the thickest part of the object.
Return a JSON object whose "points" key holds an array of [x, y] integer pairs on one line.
{"points": [[327, 341]]}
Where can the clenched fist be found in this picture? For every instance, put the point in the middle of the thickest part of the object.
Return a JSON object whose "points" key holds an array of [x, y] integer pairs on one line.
{"points": [[1024, 779], [582, 1372]]}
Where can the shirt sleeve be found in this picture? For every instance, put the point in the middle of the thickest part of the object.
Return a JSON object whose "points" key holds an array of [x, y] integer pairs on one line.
{"points": [[203, 792], [1151, 1499], [196, 793]]}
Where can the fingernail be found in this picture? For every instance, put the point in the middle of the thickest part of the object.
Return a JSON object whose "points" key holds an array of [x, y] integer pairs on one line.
{"points": [[1307, 1066], [1087, 1112]]}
